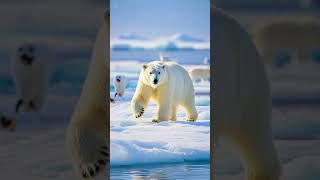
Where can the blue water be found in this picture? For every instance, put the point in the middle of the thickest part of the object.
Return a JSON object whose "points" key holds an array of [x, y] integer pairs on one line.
{"points": [[173, 171]]}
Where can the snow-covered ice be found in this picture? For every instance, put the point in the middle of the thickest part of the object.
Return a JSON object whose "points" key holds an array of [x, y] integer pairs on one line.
{"points": [[139, 141]]}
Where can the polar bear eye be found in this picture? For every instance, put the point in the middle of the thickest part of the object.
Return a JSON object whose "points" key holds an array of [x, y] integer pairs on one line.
{"points": [[158, 72], [150, 73]]}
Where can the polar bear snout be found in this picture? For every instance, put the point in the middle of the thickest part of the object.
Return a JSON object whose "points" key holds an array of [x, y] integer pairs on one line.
{"points": [[155, 81], [26, 54], [118, 78], [27, 60]]}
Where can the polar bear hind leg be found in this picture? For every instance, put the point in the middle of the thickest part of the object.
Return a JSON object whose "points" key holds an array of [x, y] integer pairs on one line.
{"points": [[259, 165], [191, 110]]}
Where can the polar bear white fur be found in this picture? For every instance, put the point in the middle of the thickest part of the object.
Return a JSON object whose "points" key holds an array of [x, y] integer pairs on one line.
{"points": [[302, 38], [202, 73], [30, 69], [170, 86], [120, 82], [88, 130], [242, 102]]}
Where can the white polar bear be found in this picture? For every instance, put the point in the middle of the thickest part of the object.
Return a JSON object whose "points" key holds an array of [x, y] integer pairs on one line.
{"points": [[88, 131], [242, 101], [30, 69], [169, 85], [120, 82], [202, 73]]}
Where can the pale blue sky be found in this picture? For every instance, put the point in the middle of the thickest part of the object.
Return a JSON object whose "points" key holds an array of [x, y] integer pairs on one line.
{"points": [[154, 18]]}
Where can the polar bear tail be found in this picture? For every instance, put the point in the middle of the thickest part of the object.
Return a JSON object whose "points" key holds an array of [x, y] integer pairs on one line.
{"points": [[89, 151]]}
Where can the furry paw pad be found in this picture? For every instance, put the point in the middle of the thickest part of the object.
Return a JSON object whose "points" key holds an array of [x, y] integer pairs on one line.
{"points": [[92, 170], [140, 113]]}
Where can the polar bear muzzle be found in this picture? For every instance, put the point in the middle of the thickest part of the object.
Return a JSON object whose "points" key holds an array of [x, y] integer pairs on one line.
{"points": [[26, 54]]}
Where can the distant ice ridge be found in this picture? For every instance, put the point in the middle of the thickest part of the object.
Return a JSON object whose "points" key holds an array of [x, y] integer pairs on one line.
{"points": [[172, 43]]}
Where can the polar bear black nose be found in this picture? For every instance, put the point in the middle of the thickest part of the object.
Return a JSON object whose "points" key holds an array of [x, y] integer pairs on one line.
{"points": [[26, 59], [155, 81]]}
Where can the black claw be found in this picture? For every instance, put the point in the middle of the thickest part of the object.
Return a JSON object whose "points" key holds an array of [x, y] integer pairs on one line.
{"points": [[96, 167], [91, 172], [84, 174], [104, 153], [102, 162], [105, 148]]}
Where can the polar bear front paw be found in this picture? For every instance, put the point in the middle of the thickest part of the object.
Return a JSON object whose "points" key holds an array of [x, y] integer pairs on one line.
{"points": [[138, 110], [91, 170], [89, 151]]}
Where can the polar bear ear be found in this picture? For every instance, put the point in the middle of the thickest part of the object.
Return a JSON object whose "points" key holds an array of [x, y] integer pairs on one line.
{"points": [[144, 66], [162, 65]]}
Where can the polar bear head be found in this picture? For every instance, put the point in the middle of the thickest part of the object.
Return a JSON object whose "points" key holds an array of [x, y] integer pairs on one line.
{"points": [[26, 53], [154, 74]]}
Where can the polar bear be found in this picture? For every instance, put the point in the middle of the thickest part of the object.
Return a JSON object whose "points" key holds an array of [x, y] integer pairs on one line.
{"points": [[120, 82], [88, 131], [30, 69], [242, 100], [202, 73], [301, 38], [169, 85]]}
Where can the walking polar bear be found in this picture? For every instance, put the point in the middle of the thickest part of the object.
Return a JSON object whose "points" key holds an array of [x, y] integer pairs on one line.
{"points": [[202, 73], [120, 82], [88, 131], [169, 85], [242, 102], [30, 69]]}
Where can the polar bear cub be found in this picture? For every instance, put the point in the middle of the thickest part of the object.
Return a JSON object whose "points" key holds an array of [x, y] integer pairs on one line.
{"points": [[170, 86], [88, 130], [242, 103], [120, 82], [30, 69], [202, 73]]}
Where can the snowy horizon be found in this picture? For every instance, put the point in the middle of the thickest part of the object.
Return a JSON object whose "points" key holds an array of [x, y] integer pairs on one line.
{"points": [[176, 41]]}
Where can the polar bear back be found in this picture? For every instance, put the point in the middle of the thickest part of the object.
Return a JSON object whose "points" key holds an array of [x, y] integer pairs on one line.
{"points": [[241, 86], [179, 82]]}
